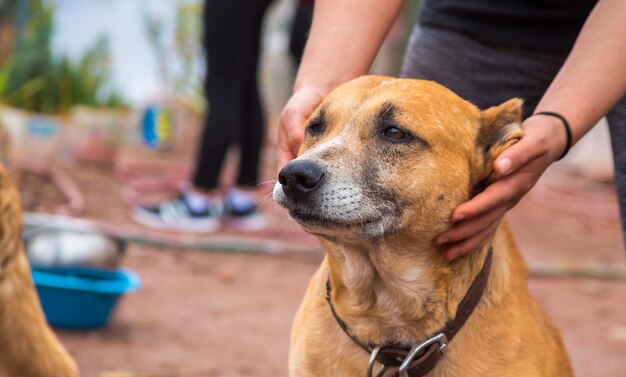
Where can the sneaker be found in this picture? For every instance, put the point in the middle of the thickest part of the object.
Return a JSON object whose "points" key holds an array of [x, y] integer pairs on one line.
{"points": [[180, 214], [241, 211]]}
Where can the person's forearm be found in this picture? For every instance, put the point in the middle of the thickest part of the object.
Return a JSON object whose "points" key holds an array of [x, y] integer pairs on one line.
{"points": [[344, 39], [593, 77]]}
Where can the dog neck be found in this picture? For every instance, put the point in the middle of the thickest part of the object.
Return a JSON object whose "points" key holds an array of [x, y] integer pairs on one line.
{"points": [[398, 291]]}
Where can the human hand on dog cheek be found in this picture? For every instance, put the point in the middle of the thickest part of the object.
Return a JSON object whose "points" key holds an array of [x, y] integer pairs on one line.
{"points": [[519, 167], [291, 129]]}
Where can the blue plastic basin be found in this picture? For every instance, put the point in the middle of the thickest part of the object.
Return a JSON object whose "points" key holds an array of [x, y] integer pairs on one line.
{"points": [[81, 297]]}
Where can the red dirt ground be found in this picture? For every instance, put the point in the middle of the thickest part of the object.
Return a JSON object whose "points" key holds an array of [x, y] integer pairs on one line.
{"points": [[219, 314]]}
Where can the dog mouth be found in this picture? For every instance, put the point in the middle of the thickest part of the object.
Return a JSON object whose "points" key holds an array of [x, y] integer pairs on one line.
{"points": [[324, 216], [318, 220]]}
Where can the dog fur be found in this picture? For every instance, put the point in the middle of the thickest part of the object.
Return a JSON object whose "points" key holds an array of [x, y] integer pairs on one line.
{"points": [[380, 203], [28, 348]]}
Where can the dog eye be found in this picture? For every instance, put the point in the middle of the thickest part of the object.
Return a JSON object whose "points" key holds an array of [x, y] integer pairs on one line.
{"points": [[316, 128], [395, 134]]}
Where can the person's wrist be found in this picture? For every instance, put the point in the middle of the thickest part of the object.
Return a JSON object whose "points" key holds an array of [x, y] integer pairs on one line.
{"points": [[310, 89], [551, 134], [566, 128]]}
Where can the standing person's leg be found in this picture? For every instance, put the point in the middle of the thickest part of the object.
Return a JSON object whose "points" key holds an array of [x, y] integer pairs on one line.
{"points": [[252, 129], [226, 39], [617, 127], [241, 200], [300, 29]]}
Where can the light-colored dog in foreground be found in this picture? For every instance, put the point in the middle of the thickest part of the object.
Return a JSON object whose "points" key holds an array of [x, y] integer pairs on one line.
{"points": [[384, 163], [28, 348]]}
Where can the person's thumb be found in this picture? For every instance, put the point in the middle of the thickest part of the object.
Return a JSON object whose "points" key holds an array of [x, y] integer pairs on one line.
{"points": [[283, 159], [517, 156]]}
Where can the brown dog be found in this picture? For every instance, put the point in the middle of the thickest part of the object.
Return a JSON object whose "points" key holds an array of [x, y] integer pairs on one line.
{"points": [[28, 348], [384, 163]]}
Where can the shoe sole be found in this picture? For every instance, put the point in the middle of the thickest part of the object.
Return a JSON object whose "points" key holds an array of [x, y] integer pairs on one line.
{"points": [[184, 226], [246, 223]]}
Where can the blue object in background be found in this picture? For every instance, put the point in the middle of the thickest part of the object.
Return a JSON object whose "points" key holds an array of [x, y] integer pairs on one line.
{"points": [[157, 129], [81, 297], [41, 127]]}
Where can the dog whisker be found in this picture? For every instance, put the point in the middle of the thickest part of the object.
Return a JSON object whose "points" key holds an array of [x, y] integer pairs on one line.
{"points": [[267, 182], [266, 198]]}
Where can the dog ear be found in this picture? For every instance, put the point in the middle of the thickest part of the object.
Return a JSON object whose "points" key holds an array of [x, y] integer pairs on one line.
{"points": [[499, 129]]}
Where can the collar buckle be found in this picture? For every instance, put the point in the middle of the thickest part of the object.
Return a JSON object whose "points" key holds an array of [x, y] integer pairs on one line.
{"points": [[418, 349], [372, 362]]}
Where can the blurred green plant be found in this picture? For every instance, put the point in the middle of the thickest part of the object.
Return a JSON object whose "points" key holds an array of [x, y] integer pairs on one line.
{"points": [[179, 54], [34, 79]]}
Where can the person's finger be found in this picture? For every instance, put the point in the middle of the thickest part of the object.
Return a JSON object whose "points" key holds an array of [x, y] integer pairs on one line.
{"points": [[292, 127], [469, 244], [283, 154], [519, 154], [504, 192], [292, 122], [465, 229], [283, 159], [290, 137], [295, 142]]}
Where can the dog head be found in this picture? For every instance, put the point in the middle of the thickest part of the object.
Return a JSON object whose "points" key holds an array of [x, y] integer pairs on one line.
{"points": [[383, 155]]}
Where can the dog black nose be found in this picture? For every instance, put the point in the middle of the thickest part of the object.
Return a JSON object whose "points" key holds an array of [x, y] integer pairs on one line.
{"points": [[299, 178]]}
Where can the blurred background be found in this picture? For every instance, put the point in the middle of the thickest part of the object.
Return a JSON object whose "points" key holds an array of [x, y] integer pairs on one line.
{"points": [[78, 79]]}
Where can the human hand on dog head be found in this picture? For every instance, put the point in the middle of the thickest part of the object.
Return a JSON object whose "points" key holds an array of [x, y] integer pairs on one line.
{"points": [[518, 167], [294, 115]]}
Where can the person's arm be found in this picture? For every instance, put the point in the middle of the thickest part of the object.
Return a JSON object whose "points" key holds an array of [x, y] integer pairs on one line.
{"points": [[344, 39], [588, 85]]}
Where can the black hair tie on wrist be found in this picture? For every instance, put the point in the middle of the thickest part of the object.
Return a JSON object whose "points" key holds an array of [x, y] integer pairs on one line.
{"points": [[568, 129]]}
